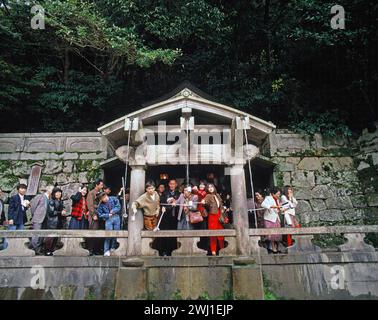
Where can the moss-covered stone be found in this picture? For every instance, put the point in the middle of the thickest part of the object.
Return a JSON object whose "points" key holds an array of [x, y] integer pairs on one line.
{"points": [[369, 178], [6, 166], [48, 179]]}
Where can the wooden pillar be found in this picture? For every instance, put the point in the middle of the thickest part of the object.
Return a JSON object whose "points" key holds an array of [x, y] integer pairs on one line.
{"points": [[137, 184], [240, 210]]}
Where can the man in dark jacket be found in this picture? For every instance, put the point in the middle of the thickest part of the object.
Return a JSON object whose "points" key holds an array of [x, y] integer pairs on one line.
{"points": [[169, 218], [17, 209], [2, 209]]}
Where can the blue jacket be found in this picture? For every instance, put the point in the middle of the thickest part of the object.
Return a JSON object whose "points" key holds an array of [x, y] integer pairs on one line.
{"points": [[16, 211], [104, 209]]}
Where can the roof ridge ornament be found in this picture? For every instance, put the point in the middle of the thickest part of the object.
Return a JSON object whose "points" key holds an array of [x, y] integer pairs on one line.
{"points": [[186, 93]]}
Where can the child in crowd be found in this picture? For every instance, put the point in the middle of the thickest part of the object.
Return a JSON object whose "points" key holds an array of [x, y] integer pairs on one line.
{"points": [[201, 193], [109, 209], [150, 203]]}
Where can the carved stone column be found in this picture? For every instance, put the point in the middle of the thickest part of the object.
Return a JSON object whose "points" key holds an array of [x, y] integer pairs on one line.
{"points": [[137, 184], [239, 207]]}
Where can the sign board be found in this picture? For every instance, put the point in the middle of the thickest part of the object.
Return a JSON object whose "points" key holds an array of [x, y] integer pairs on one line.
{"points": [[33, 181]]}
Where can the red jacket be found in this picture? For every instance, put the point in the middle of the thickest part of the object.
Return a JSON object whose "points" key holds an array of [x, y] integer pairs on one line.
{"points": [[201, 195], [79, 203]]}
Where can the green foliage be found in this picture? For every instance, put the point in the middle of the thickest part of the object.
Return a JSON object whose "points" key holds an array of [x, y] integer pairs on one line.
{"points": [[328, 240], [268, 294], [83, 165], [369, 178], [94, 173], [97, 60], [227, 295], [91, 167], [7, 179], [77, 98], [48, 179], [279, 179], [327, 123], [204, 296], [64, 76], [91, 294], [177, 295], [6, 166]]}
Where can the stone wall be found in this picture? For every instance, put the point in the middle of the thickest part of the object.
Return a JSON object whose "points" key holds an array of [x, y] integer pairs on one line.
{"points": [[59, 278], [334, 178], [366, 162], [327, 275], [332, 275], [68, 159]]}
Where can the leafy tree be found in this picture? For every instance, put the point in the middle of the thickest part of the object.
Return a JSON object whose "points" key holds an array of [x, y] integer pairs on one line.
{"points": [[100, 59]]}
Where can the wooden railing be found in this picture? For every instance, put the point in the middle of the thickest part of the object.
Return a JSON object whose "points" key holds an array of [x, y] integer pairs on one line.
{"points": [[188, 240]]}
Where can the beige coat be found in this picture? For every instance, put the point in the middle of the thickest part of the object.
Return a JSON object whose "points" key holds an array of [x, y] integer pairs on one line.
{"points": [[150, 207]]}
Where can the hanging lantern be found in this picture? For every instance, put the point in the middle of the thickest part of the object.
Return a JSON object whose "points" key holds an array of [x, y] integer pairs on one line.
{"points": [[164, 176]]}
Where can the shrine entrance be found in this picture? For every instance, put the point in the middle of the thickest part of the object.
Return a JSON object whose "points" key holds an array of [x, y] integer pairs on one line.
{"points": [[262, 175], [216, 142], [197, 173]]}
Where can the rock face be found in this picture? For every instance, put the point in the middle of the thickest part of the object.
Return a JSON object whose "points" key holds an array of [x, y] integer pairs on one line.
{"points": [[318, 204], [339, 203], [310, 164], [53, 167], [303, 178], [303, 206], [321, 192]]}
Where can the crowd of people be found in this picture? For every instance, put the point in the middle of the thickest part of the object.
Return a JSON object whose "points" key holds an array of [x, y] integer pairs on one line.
{"points": [[187, 207], [274, 209], [165, 207]]}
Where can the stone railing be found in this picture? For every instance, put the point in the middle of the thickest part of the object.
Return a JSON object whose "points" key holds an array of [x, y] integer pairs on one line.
{"points": [[303, 238], [188, 240], [72, 241]]}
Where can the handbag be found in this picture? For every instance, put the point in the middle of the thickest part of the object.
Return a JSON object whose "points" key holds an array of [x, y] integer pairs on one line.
{"points": [[195, 217], [223, 219]]}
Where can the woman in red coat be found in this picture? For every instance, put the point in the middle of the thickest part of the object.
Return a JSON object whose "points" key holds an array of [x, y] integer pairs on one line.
{"points": [[79, 213], [213, 203]]}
